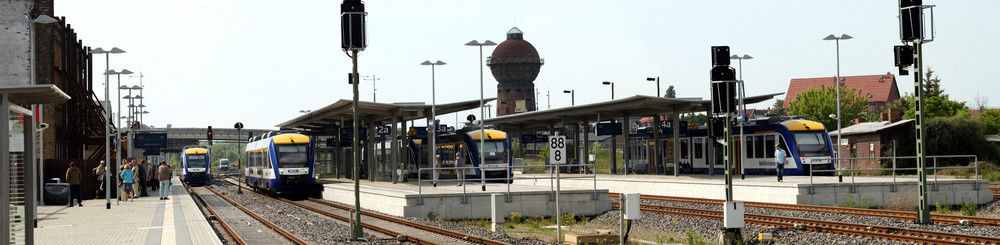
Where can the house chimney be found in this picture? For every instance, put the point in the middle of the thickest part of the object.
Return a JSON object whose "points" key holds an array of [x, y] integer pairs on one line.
{"points": [[859, 120], [894, 115]]}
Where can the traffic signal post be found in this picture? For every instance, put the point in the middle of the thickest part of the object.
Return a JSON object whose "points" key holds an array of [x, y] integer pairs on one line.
{"points": [[724, 97]]}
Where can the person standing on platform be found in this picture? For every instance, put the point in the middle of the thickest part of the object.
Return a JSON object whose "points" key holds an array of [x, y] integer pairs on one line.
{"points": [[73, 177], [779, 158], [459, 173], [101, 171], [135, 178], [142, 178], [163, 175], [151, 176], [127, 180]]}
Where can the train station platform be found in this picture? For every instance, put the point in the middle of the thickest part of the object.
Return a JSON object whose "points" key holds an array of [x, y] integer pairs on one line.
{"points": [[449, 201], [147, 220], [826, 190]]}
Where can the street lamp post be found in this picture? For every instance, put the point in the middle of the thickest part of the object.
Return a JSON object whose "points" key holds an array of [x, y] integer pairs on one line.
{"points": [[107, 123], [743, 110], [118, 125], [657, 79], [482, 110], [432, 123], [837, 83], [572, 96], [612, 88], [133, 113], [614, 167]]}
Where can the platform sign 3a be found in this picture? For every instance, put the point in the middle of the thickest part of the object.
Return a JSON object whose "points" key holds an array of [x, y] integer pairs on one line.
{"points": [[557, 149]]}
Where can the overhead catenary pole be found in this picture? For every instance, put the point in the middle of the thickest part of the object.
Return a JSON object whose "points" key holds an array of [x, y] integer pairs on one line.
{"points": [[923, 212]]}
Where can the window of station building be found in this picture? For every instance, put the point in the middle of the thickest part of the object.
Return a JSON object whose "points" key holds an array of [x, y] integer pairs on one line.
{"points": [[684, 148], [769, 141], [698, 149]]}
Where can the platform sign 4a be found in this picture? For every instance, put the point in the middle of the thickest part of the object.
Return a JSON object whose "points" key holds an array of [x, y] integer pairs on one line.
{"points": [[557, 149]]}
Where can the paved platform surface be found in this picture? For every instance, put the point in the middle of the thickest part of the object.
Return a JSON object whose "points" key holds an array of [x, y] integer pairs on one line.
{"points": [[526, 196], [147, 220], [827, 190]]}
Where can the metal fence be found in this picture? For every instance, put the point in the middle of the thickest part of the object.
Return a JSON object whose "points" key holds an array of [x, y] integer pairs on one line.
{"points": [[853, 172], [508, 180]]}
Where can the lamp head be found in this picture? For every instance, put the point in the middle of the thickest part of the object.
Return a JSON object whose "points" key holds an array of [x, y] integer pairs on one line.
{"points": [[567, 91], [845, 37], [136, 87], [830, 37], [472, 43], [20, 18], [489, 43], [747, 57], [116, 50], [439, 63], [606, 83], [734, 57], [426, 63], [125, 72], [45, 19], [650, 79], [111, 72], [98, 51]]}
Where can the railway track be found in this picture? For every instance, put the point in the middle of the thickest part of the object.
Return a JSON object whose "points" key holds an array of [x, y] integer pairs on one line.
{"points": [[400, 228], [890, 233], [996, 192], [898, 215], [226, 211]]}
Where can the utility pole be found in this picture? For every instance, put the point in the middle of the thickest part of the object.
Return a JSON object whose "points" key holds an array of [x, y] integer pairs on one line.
{"points": [[372, 78]]}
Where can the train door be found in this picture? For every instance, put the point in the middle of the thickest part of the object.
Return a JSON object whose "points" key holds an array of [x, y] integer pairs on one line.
{"points": [[666, 155], [685, 159], [699, 158]]}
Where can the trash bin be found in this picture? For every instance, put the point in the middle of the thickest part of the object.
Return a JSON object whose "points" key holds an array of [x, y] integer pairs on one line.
{"points": [[56, 193]]}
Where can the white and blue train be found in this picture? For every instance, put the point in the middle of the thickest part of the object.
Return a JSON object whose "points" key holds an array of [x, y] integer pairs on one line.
{"points": [[807, 144], [280, 162], [194, 168]]}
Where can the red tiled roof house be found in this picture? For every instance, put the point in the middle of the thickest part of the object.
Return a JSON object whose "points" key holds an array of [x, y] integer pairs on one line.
{"points": [[881, 89]]}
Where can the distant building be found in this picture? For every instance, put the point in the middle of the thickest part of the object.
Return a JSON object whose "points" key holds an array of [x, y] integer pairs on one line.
{"points": [[867, 139], [881, 89], [515, 64]]}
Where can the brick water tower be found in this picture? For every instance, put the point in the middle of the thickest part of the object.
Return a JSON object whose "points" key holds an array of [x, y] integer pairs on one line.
{"points": [[515, 64]]}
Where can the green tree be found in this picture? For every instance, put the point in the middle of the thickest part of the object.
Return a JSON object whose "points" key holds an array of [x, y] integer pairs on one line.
{"points": [[699, 118], [670, 92], [818, 104], [990, 120], [778, 108], [932, 85], [938, 107]]}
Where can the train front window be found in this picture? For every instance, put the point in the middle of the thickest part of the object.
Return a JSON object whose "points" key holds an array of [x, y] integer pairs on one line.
{"points": [[495, 151], [292, 156], [196, 161], [812, 144]]}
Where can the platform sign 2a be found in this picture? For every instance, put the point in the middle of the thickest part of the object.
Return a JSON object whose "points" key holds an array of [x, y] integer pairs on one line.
{"points": [[557, 149], [382, 130]]}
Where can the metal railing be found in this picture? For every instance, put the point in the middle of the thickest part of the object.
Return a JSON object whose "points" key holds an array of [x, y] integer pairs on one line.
{"points": [[839, 170], [508, 179]]}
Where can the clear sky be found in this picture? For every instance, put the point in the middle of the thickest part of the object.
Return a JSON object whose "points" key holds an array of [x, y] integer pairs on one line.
{"points": [[216, 62]]}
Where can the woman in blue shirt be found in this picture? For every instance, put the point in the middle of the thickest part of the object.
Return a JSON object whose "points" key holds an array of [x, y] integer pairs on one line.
{"points": [[127, 181]]}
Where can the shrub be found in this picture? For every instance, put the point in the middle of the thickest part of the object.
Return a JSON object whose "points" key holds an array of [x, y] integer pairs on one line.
{"points": [[969, 208], [515, 218]]}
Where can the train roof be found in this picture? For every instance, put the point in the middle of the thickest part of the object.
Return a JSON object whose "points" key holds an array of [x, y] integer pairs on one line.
{"points": [[196, 150]]}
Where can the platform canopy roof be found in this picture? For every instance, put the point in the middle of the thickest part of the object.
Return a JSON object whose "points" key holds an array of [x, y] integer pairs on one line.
{"points": [[326, 120], [634, 106]]}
